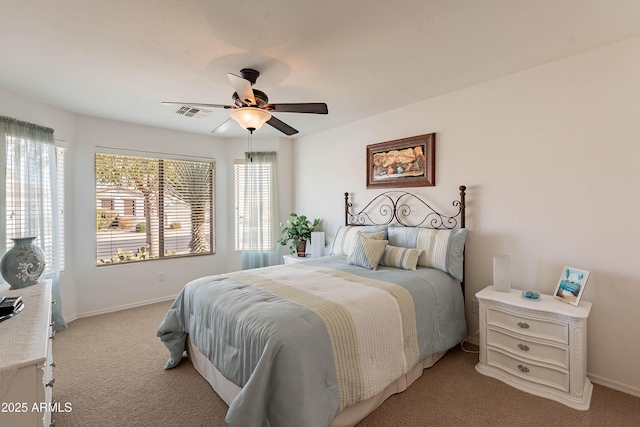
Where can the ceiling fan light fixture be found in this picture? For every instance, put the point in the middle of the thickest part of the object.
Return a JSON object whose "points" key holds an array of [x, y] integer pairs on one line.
{"points": [[250, 118]]}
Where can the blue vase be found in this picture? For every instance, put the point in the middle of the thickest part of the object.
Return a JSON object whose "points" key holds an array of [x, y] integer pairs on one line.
{"points": [[23, 264]]}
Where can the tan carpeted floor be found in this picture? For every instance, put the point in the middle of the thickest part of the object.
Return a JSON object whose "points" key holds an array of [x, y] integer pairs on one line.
{"points": [[110, 370]]}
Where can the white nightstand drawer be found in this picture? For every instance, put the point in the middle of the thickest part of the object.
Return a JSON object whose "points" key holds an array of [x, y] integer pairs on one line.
{"points": [[533, 327], [521, 346], [528, 370]]}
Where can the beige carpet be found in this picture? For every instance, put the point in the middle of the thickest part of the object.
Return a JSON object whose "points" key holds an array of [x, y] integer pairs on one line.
{"points": [[110, 369]]}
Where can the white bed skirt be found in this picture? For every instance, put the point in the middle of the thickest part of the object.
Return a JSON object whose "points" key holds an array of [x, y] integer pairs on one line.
{"points": [[348, 417]]}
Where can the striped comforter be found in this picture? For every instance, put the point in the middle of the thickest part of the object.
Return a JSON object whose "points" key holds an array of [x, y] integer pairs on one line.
{"points": [[306, 340]]}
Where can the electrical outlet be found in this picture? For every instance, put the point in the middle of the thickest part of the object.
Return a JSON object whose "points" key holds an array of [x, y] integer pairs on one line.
{"points": [[475, 306], [160, 276]]}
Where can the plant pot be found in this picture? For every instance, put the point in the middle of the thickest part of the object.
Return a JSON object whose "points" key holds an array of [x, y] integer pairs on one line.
{"points": [[23, 264], [302, 246]]}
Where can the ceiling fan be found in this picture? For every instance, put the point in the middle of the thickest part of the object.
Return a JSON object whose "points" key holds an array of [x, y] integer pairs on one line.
{"points": [[251, 107]]}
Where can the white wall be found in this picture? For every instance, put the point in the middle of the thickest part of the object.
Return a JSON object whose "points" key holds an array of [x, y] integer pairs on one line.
{"points": [[550, 159]]}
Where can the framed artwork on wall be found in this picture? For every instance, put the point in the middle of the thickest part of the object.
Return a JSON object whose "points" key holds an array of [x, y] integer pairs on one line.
{"points": [[407, 162], [571, 285]]}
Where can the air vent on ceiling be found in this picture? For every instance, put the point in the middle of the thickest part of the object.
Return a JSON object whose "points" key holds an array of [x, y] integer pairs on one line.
{"points": [[192, 112]]}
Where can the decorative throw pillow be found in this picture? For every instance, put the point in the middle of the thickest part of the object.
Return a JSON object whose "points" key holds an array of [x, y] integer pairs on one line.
{"points": [[345, 237], [403, 236], [398, 257], [443, 249], [366, 251]]}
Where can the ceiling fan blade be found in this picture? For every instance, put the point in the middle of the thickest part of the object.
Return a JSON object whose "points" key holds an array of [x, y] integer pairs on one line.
{"points": [[309, 107], [223, 126], [243, 89], [281, 126], [197, 104]]}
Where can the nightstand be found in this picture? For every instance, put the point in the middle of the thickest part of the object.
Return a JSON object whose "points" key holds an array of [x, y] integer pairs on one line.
{"points": [[291, 259], [539, 347]]}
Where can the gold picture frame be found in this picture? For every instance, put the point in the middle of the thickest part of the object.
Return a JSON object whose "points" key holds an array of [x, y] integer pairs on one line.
{"points": [[407, 162]]}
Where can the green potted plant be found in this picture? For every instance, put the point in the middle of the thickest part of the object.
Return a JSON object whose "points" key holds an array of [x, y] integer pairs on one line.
{"points": [[296, 232]]}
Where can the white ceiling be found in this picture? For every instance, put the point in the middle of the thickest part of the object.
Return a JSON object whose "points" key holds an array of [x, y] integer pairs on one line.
{"points": [[119, 59]]}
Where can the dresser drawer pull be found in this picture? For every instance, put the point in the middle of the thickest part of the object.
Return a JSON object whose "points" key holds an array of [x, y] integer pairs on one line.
{"points": [[53, 334], [53, 301], [52, 364], [523, 325], [523, 368], [52, 324], [53, 423], [523, 347], [50, 383]]}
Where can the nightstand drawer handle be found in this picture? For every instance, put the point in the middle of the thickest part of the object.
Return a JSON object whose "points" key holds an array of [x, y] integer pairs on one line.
{"points": [[523, 325], [523, 368], [523, 347]]}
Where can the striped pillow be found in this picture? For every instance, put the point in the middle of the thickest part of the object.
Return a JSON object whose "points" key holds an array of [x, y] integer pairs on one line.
{"points": [[442, 249], [398, 257], [345, 237], [366, 251]]}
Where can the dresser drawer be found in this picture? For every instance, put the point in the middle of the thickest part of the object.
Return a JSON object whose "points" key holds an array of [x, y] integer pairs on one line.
{"points": [[531, 326], [539, 373], [522, 346]]}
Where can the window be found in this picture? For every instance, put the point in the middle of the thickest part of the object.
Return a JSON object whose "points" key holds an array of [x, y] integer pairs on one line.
{"points": [[159, 208], [263, 172], [34, 197], [106, 204], [130, 207]]}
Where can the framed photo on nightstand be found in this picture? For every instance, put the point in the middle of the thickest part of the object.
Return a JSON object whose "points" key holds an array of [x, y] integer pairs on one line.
{"points": [[571, 285]]}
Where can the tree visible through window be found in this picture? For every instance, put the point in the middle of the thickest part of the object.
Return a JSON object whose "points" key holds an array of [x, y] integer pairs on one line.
{"points": [[159, 208]]}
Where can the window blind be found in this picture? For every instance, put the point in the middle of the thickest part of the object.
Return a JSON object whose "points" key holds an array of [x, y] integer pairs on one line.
{"points": [[263, 178], [149, 208]]}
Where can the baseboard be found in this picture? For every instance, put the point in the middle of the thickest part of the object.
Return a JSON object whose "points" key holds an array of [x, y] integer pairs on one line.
{"points": [[123, 307], [596, 379]]}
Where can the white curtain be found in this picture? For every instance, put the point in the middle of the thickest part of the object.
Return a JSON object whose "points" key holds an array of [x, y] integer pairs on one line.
{"points": [[28, 186], [261, 226]]}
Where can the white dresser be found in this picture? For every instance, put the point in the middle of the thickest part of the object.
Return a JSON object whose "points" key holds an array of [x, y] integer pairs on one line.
{"points": [[26, 362], [539, 347]]}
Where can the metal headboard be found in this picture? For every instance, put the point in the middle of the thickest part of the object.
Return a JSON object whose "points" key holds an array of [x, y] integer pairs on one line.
{"points": [[396, 207], [399, 207]]}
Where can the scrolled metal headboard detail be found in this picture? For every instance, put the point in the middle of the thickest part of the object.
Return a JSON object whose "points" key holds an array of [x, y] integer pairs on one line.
{"points": [[406, 210]]}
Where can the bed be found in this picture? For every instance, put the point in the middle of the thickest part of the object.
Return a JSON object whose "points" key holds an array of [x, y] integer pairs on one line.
{"points": [[324, 342]]}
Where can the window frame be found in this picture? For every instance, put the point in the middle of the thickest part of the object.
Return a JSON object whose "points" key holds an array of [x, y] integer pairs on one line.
{"points": [[160, 216], [239, 172]]}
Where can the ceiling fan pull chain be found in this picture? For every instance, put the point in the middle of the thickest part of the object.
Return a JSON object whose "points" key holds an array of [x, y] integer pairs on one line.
{"points": [[250, 145]]}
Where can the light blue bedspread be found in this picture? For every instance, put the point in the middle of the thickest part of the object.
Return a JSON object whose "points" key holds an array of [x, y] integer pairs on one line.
{"points": [[305, 341]]}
